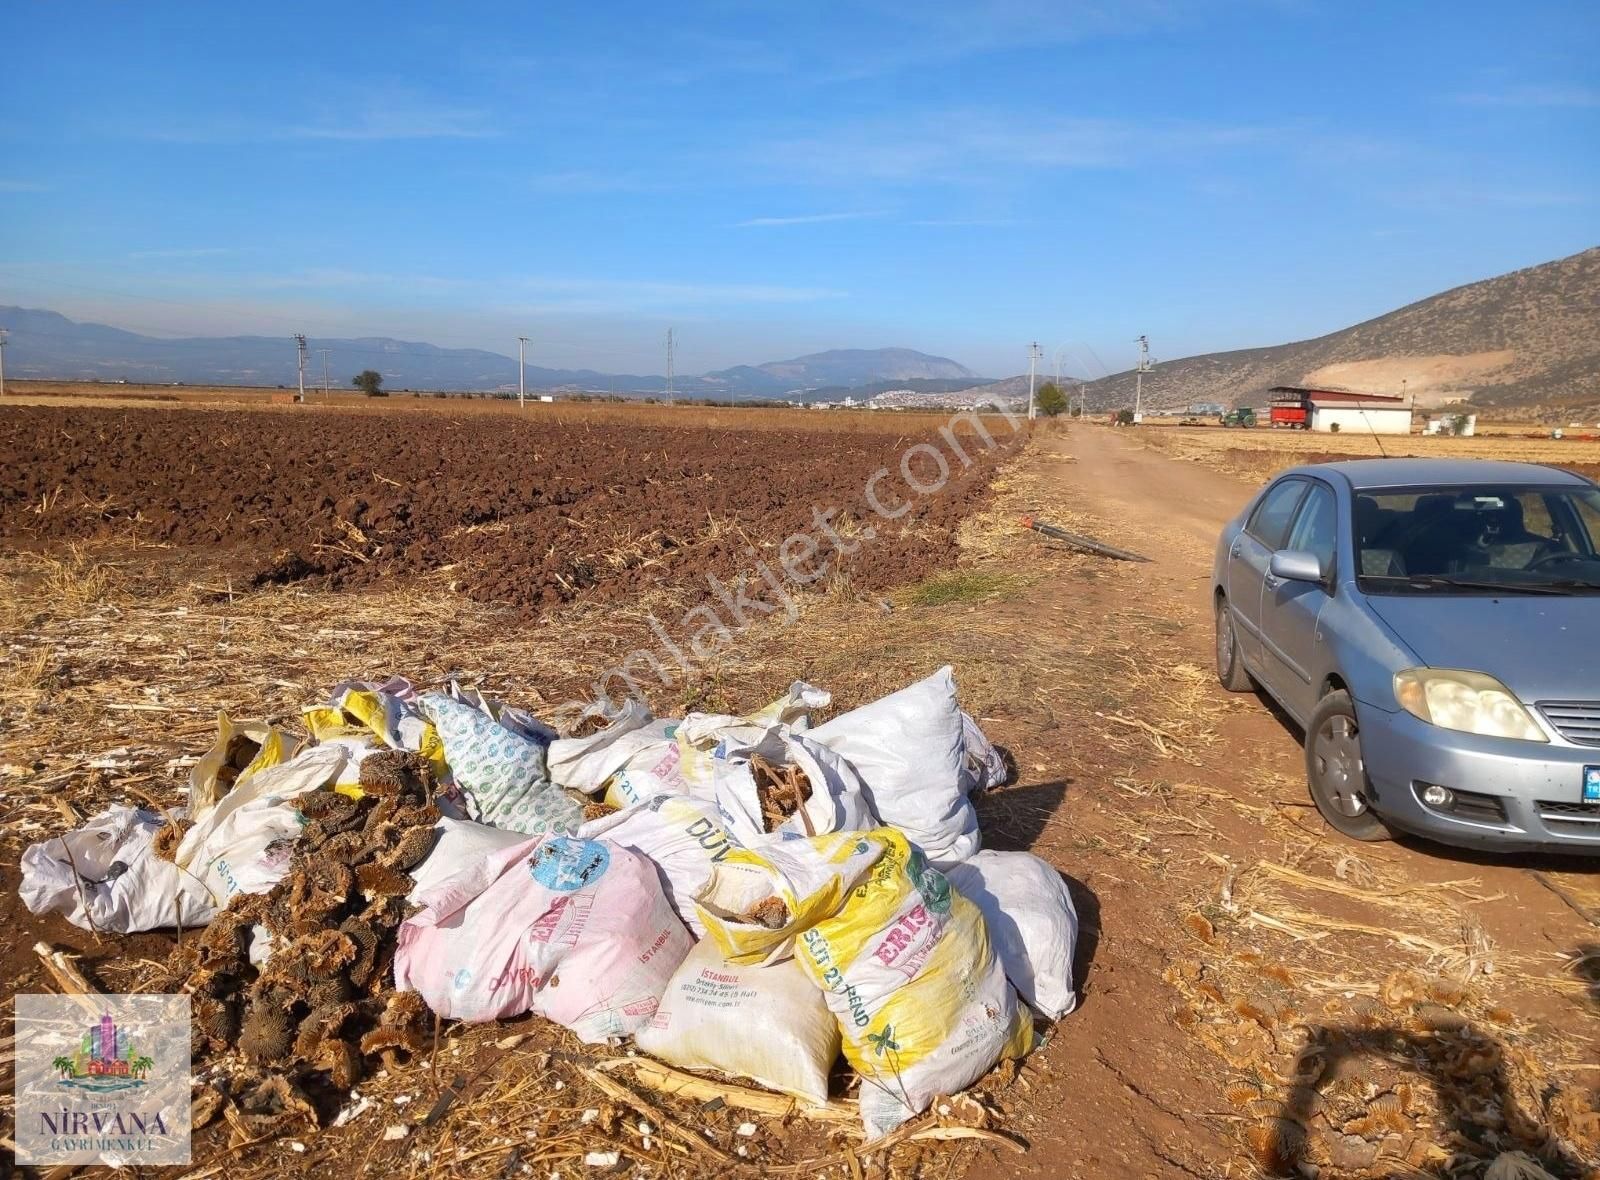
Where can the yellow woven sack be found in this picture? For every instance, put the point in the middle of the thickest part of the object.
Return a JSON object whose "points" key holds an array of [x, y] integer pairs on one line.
{"points": [[921, 1001], [756, 901]]}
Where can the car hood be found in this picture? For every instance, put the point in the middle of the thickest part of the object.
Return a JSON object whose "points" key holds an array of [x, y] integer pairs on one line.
{"points": [[1540, 646]]}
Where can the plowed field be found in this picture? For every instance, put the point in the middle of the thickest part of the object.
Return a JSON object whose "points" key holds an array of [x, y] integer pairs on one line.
{"points": [[529, 514]]}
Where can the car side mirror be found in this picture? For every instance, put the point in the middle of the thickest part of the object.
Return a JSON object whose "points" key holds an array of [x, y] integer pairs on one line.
{"points": [[1296, 565]]}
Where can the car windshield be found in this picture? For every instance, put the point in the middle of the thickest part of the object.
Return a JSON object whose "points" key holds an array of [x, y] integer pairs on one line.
{"points": [[1478, 540]]}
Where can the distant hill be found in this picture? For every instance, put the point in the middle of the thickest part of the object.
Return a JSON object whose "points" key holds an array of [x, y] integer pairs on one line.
{"points": [[1015, 389], [1528, 341], [847, 368], [45, 344]]}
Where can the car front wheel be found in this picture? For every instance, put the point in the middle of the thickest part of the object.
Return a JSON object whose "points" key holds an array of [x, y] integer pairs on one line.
{"points": [[1335, 772], [1230, 668]]}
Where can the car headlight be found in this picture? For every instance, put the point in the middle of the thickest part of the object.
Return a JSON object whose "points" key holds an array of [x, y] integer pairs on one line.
{"points": [[1467, 701]]}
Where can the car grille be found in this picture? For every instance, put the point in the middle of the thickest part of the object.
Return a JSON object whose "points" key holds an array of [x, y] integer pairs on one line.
{"points": [[1577, 721], [1572, 819]]}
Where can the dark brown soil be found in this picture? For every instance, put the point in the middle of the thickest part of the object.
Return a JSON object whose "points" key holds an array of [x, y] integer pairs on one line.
{"points": [[529, 514]]}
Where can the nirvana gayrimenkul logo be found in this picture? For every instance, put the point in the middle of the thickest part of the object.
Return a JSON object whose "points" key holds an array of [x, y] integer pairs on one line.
{"points": [[106, 1060], [102, 1079]]}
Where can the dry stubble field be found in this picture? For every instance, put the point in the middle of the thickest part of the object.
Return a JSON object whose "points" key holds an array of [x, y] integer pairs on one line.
{"points": [[1259, 453]]}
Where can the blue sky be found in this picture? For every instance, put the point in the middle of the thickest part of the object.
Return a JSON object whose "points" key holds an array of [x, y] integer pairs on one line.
{"points": [[773, 179]]}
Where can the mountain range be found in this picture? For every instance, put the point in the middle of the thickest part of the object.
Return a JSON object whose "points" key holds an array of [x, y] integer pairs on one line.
{"points": [[842, 368], [1527, 341], [45, 344]]}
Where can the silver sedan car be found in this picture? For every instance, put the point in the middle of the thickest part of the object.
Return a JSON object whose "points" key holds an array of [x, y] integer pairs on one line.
{"points": [[1434, 625]]}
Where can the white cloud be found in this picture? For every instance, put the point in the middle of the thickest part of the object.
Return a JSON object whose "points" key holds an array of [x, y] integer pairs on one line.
{"points": [[585, 180], [1545, 94], [396, 117], [809, 219], [977, 145], [551, 293], [1469, 196], [192, 252], [343, 116], [928, 35], [962, 222]]}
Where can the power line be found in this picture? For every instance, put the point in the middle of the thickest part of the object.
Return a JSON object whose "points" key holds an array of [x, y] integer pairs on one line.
{"points": [[324, 352], [1035, 354], [1145, 364], [669, 366]]}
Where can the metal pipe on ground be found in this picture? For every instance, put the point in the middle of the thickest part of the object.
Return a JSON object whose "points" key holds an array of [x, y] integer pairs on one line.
{"points": [[1086, 544]]}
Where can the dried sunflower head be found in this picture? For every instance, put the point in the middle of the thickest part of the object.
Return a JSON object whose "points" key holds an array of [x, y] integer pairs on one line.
{"points": [[267, 1033], [412, 848]]}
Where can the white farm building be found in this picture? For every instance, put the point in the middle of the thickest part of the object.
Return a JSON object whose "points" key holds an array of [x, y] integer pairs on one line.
{"points": [[1348, 411]]}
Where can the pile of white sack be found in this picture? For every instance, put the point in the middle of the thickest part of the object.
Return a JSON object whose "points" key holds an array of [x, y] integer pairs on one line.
{"points": [[638, 881]]}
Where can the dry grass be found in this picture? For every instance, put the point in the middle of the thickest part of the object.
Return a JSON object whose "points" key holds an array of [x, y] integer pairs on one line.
{"points": [[1255, 455], [1365, 1014], [73, 581], [1330, 986], [529, 1098]]}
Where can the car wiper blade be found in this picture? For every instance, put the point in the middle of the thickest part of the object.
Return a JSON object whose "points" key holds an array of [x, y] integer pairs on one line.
{"points": [[1570, 584], [1444, 580]]}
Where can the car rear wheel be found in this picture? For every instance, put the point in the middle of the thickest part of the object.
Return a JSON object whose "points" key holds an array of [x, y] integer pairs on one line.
{"points": [[1335, 772], [1230, 668]]}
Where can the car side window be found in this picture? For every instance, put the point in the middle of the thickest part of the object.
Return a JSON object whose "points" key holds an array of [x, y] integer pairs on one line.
{"points": [[1316, 528], [1587, 509], [1269, 523]]}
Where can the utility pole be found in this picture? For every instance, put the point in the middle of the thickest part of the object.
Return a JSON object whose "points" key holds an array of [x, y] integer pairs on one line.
{"points": [[669, 366], [3, 335], [325, 352], [1035, 353], [1138, 378], [522, 386], [300, 345]]}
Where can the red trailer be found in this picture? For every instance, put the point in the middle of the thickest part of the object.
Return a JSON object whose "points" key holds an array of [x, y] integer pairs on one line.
{"points": [[1289, 412]]}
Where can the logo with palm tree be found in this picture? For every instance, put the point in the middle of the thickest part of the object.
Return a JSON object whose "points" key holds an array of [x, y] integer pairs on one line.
{"points": [[106, 1059]]}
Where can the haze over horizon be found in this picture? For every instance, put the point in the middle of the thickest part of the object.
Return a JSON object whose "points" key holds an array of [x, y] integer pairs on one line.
{"points": [[775, 183]]}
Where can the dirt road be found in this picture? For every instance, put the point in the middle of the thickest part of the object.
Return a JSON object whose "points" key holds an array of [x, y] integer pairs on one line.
{"points": [[1183, 1056]]}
